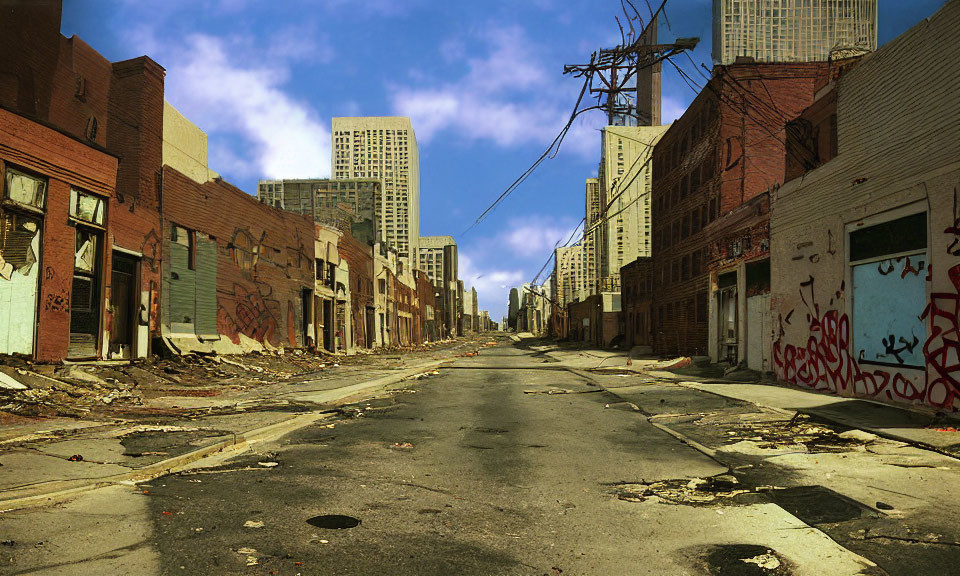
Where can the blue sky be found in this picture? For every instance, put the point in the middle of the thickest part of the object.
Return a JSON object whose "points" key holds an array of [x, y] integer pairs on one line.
{"points": [[482, 82]]}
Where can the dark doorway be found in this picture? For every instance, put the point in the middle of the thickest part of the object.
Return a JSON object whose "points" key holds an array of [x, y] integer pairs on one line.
{"points": [[85, 296], [306, 302], [123, 297], [371, 331]]}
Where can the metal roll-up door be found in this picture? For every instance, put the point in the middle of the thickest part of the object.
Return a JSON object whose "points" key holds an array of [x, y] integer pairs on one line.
{"points": [[206, 288]]}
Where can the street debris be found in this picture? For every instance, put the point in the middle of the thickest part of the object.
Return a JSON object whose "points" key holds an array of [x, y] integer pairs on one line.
{"points": [[553, 390], [693, 492], [268, 464], [246, 551], [799, 431], [76, 458], [253, 524], [766, 561], [402, 445]]}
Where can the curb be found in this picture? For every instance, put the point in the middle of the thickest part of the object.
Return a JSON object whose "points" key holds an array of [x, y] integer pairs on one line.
{"points": [[59, 490]]}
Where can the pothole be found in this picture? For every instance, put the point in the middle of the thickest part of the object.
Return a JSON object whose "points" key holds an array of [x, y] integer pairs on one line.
{"points": [[745, 560], [722, 489], [799, 430], [334, 522]]}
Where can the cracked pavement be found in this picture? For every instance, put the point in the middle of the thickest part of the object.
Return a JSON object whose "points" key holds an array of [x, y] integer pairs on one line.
{"points": [[511, 463]]}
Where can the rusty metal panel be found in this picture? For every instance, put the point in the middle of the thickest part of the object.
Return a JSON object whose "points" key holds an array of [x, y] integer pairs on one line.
{"points": [[206, 288]]}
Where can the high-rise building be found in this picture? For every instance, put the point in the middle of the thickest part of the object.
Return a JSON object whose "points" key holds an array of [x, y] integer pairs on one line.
{"points": [[624, 186], [592, 234], [431, 255], [384, 148], [568, 274], [792, 30], [348, 205]]}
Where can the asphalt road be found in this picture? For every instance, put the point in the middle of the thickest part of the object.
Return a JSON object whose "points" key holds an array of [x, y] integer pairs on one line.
{"points": [[501, 464]]}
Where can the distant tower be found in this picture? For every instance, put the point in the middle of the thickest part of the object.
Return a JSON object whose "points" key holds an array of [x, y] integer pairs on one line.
{"points": [[792, 30], [384, 148]]}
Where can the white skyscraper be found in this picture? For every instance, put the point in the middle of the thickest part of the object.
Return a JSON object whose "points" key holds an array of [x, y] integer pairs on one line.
{"points": [[384, 148]]}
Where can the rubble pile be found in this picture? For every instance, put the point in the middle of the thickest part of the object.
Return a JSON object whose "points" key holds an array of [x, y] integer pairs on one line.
{"points": [[799, 431], [691, 492]]}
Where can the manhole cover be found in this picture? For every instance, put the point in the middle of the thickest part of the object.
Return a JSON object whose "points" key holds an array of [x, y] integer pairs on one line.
{"points": [[334, 521]]}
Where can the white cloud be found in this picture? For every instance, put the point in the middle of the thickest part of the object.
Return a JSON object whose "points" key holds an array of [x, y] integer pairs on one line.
{"points": [[492, 284], [285, 136], [528, 242], [534, 237], [235, 97], [509, 97], [671, 109]]}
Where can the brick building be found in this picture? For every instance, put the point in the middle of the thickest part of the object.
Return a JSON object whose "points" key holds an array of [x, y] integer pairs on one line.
{"points": [[81, 157], [238, 284], [637, 303], [359, 257], [427, 304], [726, 149]]}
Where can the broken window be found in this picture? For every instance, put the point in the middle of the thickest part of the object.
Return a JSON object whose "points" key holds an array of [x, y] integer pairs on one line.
{"points": [[85, 257], [889, 264], [25, 189], [86, 207], [17, 250]]}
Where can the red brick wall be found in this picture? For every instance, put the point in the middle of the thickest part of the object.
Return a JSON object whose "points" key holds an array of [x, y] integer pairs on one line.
{"points": [[264, 256], [426, 296], [636, 301], [727, 148], [136, 136], [65, 162], [43, 75]]}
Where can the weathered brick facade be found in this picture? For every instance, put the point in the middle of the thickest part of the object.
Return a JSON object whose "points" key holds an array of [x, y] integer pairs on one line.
{"points": [[79, 98], [263, 263], [726, 149], [62, 162], [427, 308], [637, 302], [359, 257]]}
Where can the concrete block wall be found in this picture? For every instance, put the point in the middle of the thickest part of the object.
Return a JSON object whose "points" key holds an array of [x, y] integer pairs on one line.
{"points": [[898, 152]]}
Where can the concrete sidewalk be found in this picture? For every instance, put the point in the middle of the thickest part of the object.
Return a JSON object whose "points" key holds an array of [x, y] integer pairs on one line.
{"points": [[43, 462], [911, 424]]}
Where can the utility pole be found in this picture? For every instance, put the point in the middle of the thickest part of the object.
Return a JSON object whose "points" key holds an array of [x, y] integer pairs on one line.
{"points": [[611, 71]]}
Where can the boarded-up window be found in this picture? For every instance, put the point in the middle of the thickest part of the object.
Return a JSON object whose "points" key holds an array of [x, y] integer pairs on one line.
{"points": [[889, 266]]}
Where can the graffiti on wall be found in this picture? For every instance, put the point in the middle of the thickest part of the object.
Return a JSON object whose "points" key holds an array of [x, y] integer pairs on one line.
{"points": [[253, 315], [58, 301], [825, 362]]}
